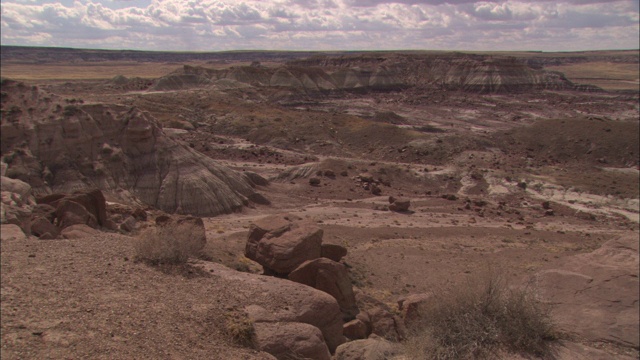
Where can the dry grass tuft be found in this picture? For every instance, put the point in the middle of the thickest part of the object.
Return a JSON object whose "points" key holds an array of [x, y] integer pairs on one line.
{"points": [[239, 328], [482, 319], [169, 244]]}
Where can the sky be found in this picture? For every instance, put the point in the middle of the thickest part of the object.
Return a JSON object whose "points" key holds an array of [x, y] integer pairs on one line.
{"points": [[218, 25]]}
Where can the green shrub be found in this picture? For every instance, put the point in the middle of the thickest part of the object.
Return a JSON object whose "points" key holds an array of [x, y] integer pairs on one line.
{"points": [[481, 319]]}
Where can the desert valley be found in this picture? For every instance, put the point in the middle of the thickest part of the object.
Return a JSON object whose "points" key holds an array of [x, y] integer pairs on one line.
{"points": [[319, 205]]}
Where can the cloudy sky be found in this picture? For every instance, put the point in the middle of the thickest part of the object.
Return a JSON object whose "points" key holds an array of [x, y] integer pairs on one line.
{"points": [[214, 25]]}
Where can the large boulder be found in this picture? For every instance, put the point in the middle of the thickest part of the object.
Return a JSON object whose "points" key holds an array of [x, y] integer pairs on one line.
{"points": [[331, 277], [71, 213], [380, 317], [280, 255], [43, 228], [595, 295], [267, 227], [291, 340], [273, 300]]}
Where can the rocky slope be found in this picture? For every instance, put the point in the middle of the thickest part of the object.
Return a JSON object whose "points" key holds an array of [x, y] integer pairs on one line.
{"points": [[59, 145]]}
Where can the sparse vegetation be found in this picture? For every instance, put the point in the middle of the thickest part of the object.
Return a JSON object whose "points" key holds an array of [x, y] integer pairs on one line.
{"points": [[239, 328], [480, 319], [169, 244]]}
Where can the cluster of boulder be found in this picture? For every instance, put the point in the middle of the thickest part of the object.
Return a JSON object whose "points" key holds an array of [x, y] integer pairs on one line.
{"points": [[290, 248], [369, 183], [56, 215]]}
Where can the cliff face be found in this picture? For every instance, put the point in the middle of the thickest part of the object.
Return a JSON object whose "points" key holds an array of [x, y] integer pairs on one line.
{"points": [[469, 73], [60, 147]]}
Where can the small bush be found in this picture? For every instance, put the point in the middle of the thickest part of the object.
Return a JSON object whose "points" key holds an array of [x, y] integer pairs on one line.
{"points": [[480, 320], [169, 244]]}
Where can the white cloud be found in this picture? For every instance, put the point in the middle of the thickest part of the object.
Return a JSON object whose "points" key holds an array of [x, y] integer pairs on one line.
{"points": [[322, 24]]}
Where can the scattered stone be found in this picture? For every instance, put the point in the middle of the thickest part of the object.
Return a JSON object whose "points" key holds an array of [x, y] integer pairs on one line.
{"points": [[314, 181], [450, 197]]}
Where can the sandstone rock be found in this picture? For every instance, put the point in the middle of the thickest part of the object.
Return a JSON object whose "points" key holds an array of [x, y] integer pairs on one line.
{"points": [[410, 307], [595, 295], [333, 252], [331, 277], [400, 205], [355, 329], [94, 202], [385, 324], [287, 340], [270, 300], [281, 254], [11, 232], [270, 226], [69, 213], [18, 187], [78, 231], [129, 224], [41, 226], [368, 349]]}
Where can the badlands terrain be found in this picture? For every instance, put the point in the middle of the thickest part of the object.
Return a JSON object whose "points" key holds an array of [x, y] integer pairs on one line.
{"points": [[330, 195]]}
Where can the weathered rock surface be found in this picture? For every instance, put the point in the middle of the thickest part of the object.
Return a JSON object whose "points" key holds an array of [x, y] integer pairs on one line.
{"points": [[283, 253], [333, 252], [355, 329], [11, 231], [291, 340], [399, 205], [409, 307], [595, 295], [78, 231], [273, 300], [381, 318], [374, 348], [331, 277], [63, 147]]}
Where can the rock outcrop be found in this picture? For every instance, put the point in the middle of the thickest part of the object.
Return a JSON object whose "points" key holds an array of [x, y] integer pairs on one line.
{"points": [[273, 301], [465, 72], [64, 146], [331, 277], [595, 295]]}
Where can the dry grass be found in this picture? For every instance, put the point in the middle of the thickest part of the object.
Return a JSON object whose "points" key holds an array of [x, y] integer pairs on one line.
{"points": [[482, 319], [169, 244], [239, 328]]}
